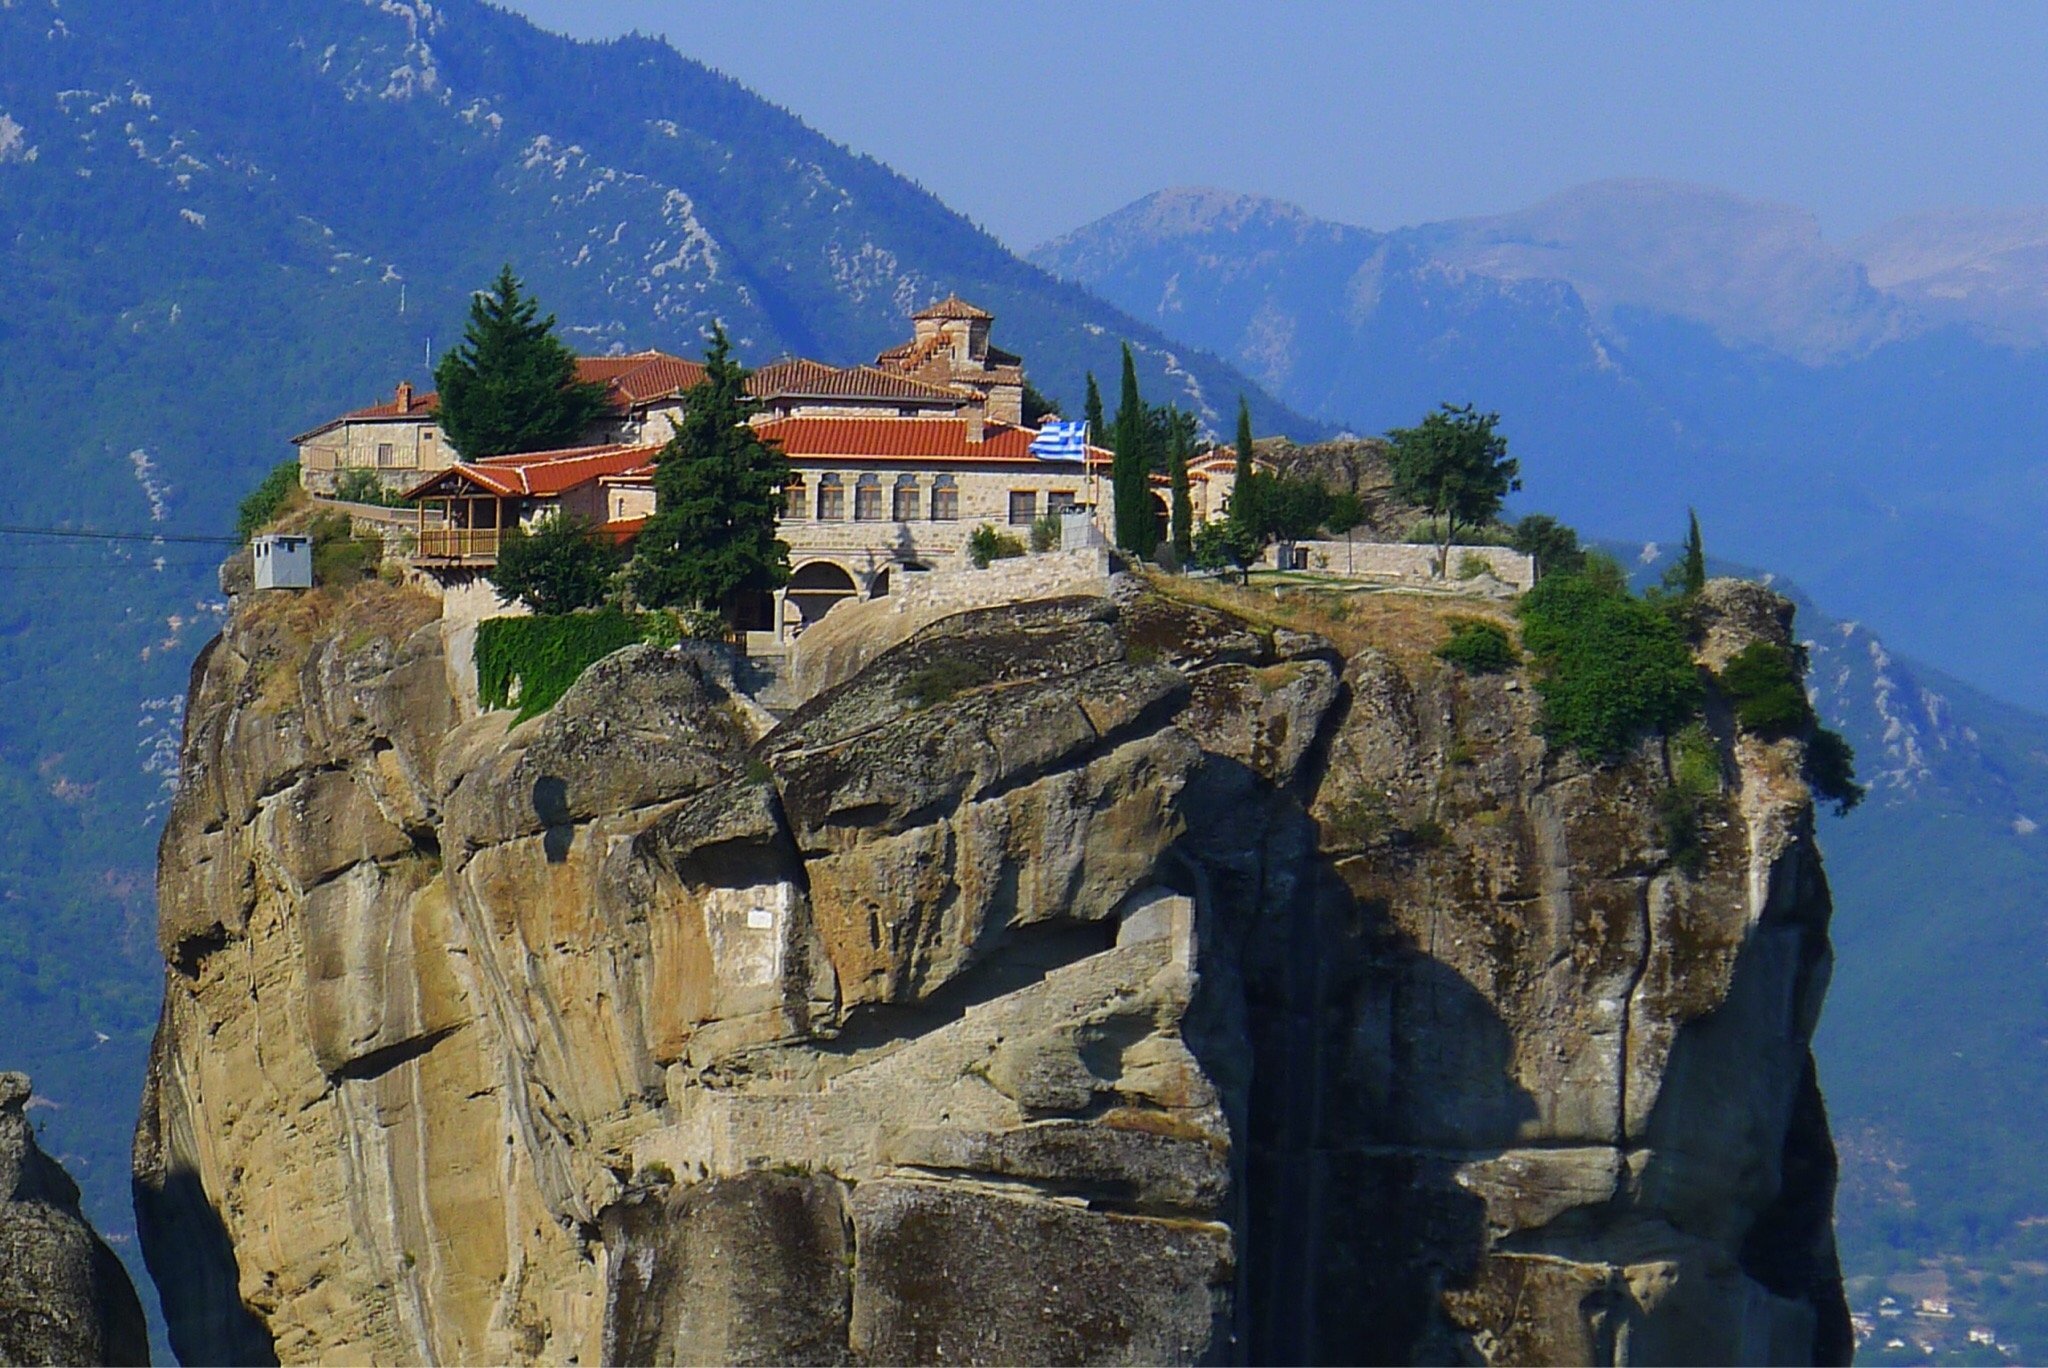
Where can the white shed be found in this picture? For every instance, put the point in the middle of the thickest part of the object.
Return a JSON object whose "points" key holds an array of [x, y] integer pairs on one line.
{"points": [[283, 561]]}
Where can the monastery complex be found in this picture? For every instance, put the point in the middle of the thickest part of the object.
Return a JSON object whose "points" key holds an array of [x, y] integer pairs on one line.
{"points": [[895, 463]]}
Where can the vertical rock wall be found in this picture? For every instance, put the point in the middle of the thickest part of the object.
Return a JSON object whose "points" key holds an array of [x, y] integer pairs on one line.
{"points": [[1107, 978]]}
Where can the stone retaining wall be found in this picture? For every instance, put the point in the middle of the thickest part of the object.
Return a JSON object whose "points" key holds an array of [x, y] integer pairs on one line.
{"points": [[1413, 563], [1018, 579]]}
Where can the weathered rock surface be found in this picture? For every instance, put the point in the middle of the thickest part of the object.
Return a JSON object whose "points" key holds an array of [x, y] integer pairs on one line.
{"points": [[1107, 978], [64, 1297]]}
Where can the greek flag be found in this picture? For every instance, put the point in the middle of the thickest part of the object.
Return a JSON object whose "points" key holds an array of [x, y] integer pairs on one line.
{"points": [[1058, 441]]}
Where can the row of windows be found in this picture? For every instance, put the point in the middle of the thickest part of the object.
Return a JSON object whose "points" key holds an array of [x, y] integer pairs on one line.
{"points": [[906, 500]]}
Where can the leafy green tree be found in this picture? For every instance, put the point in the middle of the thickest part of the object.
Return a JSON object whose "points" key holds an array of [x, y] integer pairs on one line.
{"points": [[1183, 513], [511, 386], [1137, 531], [986, 545], [1555, 545], [268, 500], [561, 565], [1221, 544], [1455, 466], [717, 497], [363, 486]]}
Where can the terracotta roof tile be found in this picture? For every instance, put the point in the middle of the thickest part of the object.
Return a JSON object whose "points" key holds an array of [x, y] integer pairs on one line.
{"points": [[907, 439], [542, 474], [803, 379], [952, 306]]}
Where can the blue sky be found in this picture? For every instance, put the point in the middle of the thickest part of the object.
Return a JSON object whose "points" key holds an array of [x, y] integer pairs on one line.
{"points": [[1389, 114]]}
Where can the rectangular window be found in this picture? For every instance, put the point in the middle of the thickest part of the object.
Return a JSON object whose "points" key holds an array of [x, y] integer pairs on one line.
{"points": [[831, 503], [906, 503], [867, 503], [793, 500], [387, 455], [1059, 501], [945, 504], [1023, 507]]}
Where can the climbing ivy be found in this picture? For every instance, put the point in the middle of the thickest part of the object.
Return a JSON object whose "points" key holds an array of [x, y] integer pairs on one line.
{"points": [[534, 660]]}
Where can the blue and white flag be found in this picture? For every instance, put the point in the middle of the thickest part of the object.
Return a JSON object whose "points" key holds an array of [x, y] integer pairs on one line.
{"points": [[1061, 442]]}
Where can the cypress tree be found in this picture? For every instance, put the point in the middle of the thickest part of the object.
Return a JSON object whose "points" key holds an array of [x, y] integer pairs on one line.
{"points": [[1093, 412], [1137, 531], [1695, 555], [1244, 438], [717, 496], [511, 386], [1183, 506]]}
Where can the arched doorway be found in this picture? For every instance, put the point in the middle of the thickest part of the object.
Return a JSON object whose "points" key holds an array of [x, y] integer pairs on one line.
{"points": [[815, 587], [878, 587], [1161, 517]]}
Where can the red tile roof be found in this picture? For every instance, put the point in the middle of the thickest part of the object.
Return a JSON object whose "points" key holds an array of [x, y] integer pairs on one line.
{"points": [[541, 474], [803, 379], [952, 306], [906, 439]]}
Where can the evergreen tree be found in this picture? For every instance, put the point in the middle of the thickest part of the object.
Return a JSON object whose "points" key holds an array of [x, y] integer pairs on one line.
{"points": [[1695, 556], [1183, 506], [1137, 530], [1244, 438], [511, 386], [717, 496], [1093, 412]]}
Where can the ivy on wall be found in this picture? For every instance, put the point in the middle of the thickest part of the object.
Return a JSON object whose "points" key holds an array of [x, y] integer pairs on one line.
{"points": [[532, 661]]}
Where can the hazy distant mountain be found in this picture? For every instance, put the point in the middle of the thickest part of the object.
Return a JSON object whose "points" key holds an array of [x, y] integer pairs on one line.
{"points": [[1650, 346], [1986, 267]]}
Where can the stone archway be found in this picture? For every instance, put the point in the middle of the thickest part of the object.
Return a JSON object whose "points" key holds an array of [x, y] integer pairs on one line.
{"points": [[816, 586], [878, 587]]}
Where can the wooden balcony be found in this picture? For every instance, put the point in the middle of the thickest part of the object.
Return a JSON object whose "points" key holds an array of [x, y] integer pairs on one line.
{"points": [[461, 545]]}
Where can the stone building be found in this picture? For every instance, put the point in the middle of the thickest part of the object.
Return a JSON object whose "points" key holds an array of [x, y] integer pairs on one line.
{"points": [[949, 346]]}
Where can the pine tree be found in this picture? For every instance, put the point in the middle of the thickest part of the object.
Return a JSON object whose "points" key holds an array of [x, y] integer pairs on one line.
{"points": [[717, 496], [1137, 530], [1183, 505], [511, 386], [1695, 555]]}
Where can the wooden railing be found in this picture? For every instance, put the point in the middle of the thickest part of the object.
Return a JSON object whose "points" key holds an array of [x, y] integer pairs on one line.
{"points": [[458, 543]]}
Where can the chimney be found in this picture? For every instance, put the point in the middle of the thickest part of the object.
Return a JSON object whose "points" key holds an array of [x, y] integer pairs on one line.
{"points": [[405, 396], [974, 415]]}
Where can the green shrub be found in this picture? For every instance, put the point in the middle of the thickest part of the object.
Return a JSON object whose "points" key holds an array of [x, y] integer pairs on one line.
{"points": [[534, 660], [1763, 685], [339, 556], [1555, 545], [985, 544], [263, 504], [672, 626], [1478, 647], [1045, 533], [1696, 761], [1429, 532], [1471, 566], [363, 487], [1831, 770], [932, 684], [1610, 668]]}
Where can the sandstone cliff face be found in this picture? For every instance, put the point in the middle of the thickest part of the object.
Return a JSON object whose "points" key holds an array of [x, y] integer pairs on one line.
{"points": [[1106, 978], [64, 1297]]}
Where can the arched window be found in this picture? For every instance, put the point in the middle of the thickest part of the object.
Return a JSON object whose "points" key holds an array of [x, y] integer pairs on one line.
{"points": [[905, 509], [945, 500], [795, 499], [867, 499], [831, 499]]}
